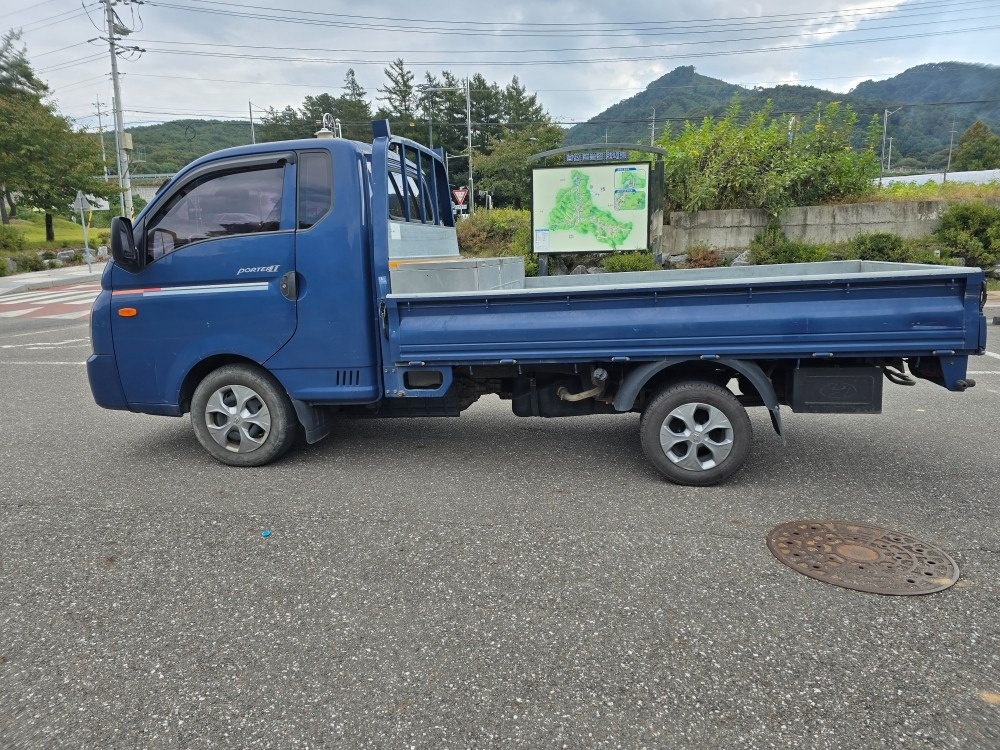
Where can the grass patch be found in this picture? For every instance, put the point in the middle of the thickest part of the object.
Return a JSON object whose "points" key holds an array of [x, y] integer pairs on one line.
{"points": [[67, 233], [950, 191]]}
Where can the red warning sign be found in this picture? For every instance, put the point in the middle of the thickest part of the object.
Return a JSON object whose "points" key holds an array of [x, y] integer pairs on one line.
{"points": [[459, 196]]}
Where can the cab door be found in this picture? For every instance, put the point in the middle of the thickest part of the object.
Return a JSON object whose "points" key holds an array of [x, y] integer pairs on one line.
{"points": [[219, 277]]}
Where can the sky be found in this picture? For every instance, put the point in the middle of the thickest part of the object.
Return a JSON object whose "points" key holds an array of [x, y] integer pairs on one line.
{"points": [[223, 59]]}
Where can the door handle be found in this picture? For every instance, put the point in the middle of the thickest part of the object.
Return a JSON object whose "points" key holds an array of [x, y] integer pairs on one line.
{"points": [[289, 286]]}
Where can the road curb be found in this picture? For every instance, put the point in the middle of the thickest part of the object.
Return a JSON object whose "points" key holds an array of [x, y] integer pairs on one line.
{"points": [[36, 284]]}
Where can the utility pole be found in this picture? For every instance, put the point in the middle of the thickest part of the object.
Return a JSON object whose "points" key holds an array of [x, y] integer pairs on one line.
{"points": [[652, 129], [253, 136], [123, 140], [468, 125], [885, 124], [100, 131], [950, 144], [888, 164]]}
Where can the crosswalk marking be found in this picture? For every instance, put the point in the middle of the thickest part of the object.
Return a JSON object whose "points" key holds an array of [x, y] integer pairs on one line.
{"points": [[65, 303]]}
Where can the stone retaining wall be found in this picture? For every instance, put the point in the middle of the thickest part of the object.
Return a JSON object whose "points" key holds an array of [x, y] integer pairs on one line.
{"points": [[733, 230]]}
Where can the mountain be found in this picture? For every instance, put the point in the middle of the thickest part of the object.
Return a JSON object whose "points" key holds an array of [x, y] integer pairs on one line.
{"points": [[932, 97], [170, 145], [679, 95]]}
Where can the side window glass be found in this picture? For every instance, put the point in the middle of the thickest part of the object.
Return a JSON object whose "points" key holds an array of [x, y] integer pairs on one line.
{"points": [[218, 205], [315, 193]]}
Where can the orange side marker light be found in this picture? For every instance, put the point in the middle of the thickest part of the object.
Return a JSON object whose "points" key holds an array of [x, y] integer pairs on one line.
{"points": [[127, 312]]}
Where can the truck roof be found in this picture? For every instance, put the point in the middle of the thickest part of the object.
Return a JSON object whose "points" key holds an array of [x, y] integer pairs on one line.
{"points": [[330, 144]]}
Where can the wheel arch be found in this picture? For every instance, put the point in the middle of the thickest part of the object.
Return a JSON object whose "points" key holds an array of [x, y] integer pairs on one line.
{"points": [[197, 373], [642, 375]]}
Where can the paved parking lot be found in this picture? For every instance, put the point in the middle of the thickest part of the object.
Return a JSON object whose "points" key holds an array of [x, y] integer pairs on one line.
{"points": [[480, 582]]}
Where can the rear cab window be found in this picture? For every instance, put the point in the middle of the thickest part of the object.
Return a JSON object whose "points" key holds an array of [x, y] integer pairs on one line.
{"points": [[315, 188]]}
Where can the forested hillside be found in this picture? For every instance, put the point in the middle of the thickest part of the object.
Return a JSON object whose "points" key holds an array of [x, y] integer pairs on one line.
{"points": [[930, 99], [169, 146]]}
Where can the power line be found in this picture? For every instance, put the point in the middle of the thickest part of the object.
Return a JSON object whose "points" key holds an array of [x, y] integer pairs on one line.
{"points": [[585, 61], [576, 28], [68, 15], [26, 8], [480, 51], [747, 85]]}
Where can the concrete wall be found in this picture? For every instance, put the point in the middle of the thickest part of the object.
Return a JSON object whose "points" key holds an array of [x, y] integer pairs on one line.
{"points": [[733, 230]]}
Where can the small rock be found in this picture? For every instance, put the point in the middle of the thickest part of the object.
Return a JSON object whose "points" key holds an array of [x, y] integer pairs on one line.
{"points": [[65, 255], [54, 263], [578, 270], [11, 265], [743, 259]]}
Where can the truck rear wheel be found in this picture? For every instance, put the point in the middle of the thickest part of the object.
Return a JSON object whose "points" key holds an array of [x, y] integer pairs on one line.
{"points": [[696, 433], [242, 416]]}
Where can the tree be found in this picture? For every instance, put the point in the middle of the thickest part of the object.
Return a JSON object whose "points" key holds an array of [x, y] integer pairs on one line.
{"points": [[68, 161], [505, 171], [16, 74], [770, 163], [41, 156], [399, 95], [21, 110], [978, 148], [283, 125], [353, 109], [520, 109]]}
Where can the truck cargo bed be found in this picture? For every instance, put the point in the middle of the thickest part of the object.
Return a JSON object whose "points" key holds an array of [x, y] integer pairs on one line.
{"points": [[840, 308]]}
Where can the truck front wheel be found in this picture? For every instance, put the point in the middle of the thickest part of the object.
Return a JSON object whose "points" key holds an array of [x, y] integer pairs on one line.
{"points": [[242, 416], [696, 433]]}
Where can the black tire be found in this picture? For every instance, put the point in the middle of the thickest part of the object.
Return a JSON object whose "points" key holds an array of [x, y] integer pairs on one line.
{"points": [[242, 416], [711, 455]]}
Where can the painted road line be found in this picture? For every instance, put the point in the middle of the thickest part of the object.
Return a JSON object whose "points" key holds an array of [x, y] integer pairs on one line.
{"points": [[18, 313], [991, 354], [43, 333], [48, 296]]}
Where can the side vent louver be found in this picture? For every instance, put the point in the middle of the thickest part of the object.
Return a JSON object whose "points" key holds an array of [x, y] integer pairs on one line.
{"points": [[348, 377]]}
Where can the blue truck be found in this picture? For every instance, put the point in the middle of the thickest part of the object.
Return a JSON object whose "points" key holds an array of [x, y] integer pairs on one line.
{"points": [[269, 290]]}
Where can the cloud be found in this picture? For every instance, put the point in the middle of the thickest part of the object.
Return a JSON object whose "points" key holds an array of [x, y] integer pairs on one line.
{"points": [[213, 58]]}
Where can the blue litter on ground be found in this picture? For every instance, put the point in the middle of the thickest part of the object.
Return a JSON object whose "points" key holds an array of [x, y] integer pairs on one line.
{"points": [[265, 533]]}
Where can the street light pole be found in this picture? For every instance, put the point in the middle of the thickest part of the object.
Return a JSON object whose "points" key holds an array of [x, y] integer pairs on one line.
{"points": [[468, 130], [468, 125], [885, 123]]}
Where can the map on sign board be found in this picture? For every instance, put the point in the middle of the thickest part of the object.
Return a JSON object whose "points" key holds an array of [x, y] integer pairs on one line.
{"points": [[590, 209]]}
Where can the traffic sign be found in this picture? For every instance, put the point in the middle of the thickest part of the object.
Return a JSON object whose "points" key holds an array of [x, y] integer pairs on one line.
{"points": [[81, 203], [460, 195]]}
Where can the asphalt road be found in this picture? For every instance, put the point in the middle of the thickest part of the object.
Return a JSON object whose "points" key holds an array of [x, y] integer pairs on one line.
{"points": [[480, 582]]}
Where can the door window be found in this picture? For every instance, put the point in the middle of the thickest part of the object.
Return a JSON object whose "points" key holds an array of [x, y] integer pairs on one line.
{"points": [[218, 205]]}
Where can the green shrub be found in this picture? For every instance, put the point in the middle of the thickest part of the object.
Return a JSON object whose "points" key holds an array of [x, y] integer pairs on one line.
{"points": [[48, 255], [498, 233], [772, 246], [29, 262], [972, 230], [703, 257], [880, 246], [11, 240], [622, 262]]}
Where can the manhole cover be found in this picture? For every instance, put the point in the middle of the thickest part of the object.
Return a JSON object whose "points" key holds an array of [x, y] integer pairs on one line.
{"points": [[861, 557]]}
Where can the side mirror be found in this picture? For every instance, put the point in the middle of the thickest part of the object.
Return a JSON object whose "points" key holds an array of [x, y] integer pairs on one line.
{"points": [[123, 248]]}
